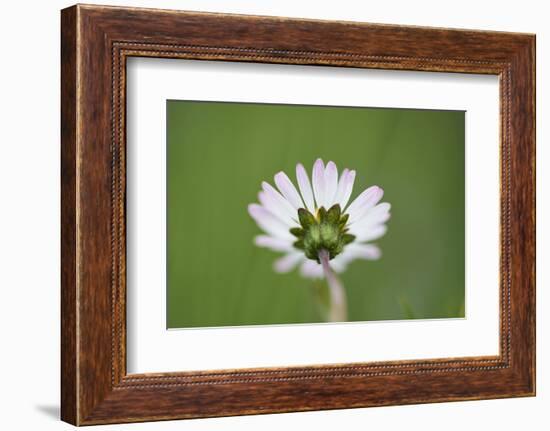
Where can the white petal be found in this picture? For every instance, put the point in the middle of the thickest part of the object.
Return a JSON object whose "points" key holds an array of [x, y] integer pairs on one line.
{"points": [[288, 262], [364, 202], [331, 183], [305, 187], [268, 222], [274, 243], [338, 264], [311, 269], [288, 190], [373, 216], [362, 251], [379, 214], [281, 202], [369, 233], [345, 187], [318, 180], [340, 188], [272, 204], [345, 257]]}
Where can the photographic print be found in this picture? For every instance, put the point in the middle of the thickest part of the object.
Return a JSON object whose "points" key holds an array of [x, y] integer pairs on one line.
{"points": [[288, 214]]}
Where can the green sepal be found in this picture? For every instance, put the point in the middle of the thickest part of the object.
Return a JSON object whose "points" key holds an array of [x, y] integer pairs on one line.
{"points": [[329, 235], [339, 248], [297, 232], [322, 214], [333, 214], [299, 244], [343, 221], [313, 234], [306, 218], [348, 238]]}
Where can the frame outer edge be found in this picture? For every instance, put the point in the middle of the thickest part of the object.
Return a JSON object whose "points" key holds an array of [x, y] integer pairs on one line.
{"points": [[529, 62], [69, 302], [523, 208], [533, 54], [532, 101], [88, 395]]}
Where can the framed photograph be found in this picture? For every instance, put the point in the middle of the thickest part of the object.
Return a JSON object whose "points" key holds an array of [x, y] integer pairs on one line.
{"points": [[264, 215]]}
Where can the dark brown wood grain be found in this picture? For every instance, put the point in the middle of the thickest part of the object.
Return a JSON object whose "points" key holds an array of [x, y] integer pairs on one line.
{"points": [[95, 42], [68, 217]]}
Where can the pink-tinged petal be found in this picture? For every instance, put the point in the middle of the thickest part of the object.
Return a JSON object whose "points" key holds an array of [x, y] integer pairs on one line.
{"points": [[305, 187], [280, 201], [366, 200], [340, 188], [268, 222], [369, 233], [274, 243], [331, 183], [345, 257], [378, 214], [318, 180], [288, 262], [272, 204], [288, 190], [348, 188], [363, 251], [345, 187], [311, 269], [338, 265]]}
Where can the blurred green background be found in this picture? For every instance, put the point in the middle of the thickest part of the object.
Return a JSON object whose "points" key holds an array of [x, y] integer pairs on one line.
{"points": [[218, 155]]}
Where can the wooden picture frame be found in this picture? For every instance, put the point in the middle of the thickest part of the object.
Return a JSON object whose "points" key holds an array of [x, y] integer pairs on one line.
{"points": [[95, 43]]}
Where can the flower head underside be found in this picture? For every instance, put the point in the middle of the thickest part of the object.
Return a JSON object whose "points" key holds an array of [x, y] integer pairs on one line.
{"points": [[302, 222]]}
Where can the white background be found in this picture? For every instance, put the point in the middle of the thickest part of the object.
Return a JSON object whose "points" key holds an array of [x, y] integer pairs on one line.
{"points": [[29, 216], [151, 348]]}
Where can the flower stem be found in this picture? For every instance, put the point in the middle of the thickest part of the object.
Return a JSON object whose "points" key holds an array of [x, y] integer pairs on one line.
{"points": [[338, 302]]}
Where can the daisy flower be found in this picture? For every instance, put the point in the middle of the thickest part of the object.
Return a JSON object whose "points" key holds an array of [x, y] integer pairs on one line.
{"points": [[314, 226]]}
